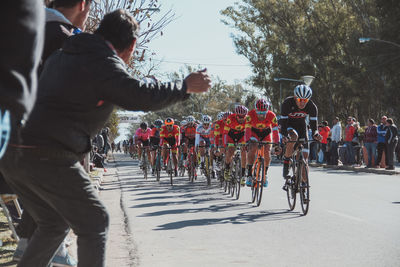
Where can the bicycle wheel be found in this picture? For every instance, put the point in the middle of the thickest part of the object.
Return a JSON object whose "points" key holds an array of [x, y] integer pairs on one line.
{"points": [[238, 177], [260, 181], [291, 186], [158, 166], [207, 168], [169, 168], [304, 188], [144, 164], [256, 173]]}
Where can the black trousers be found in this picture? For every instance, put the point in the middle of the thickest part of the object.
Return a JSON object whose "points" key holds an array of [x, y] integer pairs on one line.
{"points": [[381, 150], [390, 148], [58, 193]]}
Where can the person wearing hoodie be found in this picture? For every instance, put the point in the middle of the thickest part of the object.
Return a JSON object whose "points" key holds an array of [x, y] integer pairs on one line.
{"points": [[64, 18], [78, 89]]}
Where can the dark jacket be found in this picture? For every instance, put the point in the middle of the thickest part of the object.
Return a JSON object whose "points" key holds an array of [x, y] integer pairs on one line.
{"points": [[58, 29], [391, 134], [78, 89], [371, 134], [22, 32]]}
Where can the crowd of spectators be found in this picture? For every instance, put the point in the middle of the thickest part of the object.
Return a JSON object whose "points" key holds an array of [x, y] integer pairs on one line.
{"points": [[375, 146]]}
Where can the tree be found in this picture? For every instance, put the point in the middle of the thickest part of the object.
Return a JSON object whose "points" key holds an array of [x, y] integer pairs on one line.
{"points": [[300, 37]]}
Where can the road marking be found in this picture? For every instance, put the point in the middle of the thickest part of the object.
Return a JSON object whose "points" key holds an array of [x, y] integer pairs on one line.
{"points": [[345, 216]]}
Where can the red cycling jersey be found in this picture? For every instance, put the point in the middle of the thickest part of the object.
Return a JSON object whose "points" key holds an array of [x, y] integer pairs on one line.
{"points": [[234, 130], [219, 132], [261, 129], [168, 136]]}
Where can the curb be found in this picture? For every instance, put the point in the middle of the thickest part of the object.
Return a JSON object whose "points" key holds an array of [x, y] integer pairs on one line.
{"points": [[355, 169]]}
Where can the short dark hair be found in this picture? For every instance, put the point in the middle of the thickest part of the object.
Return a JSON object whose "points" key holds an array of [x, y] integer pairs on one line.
{"points": [[371, 121], [325, 123], [119, 28], [390, 121], [65, 3]]}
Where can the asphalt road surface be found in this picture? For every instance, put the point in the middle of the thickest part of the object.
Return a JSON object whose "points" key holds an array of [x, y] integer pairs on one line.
{"points": [[354, 220]]}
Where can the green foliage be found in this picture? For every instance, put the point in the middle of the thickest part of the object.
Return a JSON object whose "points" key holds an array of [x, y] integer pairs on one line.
{"points": [[112, 123], [320, 38]]}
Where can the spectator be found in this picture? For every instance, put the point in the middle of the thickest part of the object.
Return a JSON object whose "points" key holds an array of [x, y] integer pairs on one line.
{"points": [[349, 135], [113, 146], [69, 112], [313, 145], [324, 132], [381, 146], [391, 140], [336, 136], [22, 35], [356, 142], [370, 141]]}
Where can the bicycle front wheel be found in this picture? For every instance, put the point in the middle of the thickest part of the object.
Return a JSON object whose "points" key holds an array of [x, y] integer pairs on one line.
{"points": [[304, 188], [291, 184], [238, 177], [260, 181]]}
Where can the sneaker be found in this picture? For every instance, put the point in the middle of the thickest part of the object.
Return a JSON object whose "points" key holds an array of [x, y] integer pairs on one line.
{"points": [[249, 180], [266, 183], [227, 175], [242, 181], [66, 261]]}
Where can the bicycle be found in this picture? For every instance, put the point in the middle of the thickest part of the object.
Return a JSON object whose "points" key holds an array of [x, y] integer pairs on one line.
{"points": [[170, 169], [234, 184], [191, 164], [181, 164], [258, 172], [205, 169], [157, 163], [145, 162], [298, 180], [219, 168]]}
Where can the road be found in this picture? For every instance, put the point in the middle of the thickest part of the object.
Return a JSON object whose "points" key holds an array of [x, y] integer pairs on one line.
{"points": [[354, 220]]}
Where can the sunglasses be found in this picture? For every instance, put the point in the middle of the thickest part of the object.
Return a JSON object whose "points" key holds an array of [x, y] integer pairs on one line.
{"points": [[261, 112], [302, 100]]}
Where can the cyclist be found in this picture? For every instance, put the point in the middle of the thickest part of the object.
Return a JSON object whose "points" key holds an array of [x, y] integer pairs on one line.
{"points": [[234, 131], [294, 111], [203, 137], [155, 141], [142, 139], [170, 136], [188, 134], [217, 128], [260, 122]]}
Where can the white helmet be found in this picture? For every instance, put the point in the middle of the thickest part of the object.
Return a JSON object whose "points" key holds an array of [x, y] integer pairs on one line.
{"points": [[206, 119], [220, 115], [183, 122], [303, 91], [190, 119]]}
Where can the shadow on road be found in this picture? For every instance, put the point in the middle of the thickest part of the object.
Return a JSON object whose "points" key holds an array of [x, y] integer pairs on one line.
{"points": [[241, 218]]}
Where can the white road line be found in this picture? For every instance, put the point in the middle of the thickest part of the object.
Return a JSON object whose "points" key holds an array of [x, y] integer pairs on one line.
{"points": [[345, 215]]}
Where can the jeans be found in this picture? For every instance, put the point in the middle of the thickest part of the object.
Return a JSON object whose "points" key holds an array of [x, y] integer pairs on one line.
{"points": [[334, 153], [58, 193], [350, 157], [371, 150]]}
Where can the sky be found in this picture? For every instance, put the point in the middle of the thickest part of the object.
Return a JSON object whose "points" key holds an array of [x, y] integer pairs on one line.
{"points": [[197, 36]]}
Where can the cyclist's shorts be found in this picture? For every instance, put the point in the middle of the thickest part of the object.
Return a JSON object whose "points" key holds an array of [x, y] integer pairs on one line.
{"points": [[206, 140], [190, 141], [144, 142], [235, 137], [154, 141], [261, 135], [172, 143], [301, 130]]}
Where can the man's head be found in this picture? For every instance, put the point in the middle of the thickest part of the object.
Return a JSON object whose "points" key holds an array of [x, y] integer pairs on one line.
{"points": [[335, 120], [349, 120], [143, 126], [121, 30], [324, 123], [190, 121], [76, 11], [302, 94], [383, 119], [262, 106], [389, 121], [371, 122], [241, 112], [206, 120], [169, 123]]}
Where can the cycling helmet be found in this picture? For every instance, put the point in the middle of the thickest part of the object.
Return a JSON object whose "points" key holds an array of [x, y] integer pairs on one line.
{"points": [[206, 119], [158, 123], [190, 119], [169, 121], [262, 104], [220, 115], [226, 114], [183, 122], [241, 110], [143, 125], [303, 91]]}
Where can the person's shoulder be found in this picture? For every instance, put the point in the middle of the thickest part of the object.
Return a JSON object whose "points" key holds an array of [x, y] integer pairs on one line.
{"points": [[288, 100]]}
